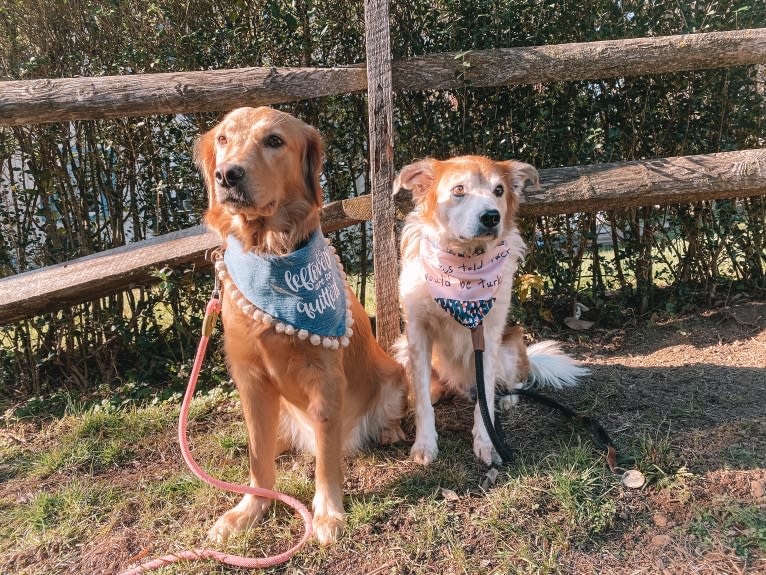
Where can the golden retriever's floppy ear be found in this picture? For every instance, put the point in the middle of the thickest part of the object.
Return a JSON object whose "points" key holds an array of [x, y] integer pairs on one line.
{"points": [[520, 173], [204, 158], [312, 164], [417, 177]]}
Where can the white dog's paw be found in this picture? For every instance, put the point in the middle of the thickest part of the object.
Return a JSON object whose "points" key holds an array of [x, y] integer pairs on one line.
{"points": [[507, 402], [483, 449], [424, 452]]}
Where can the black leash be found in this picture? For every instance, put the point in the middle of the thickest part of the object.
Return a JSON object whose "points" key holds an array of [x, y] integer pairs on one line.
{"points": [[497, 435]]}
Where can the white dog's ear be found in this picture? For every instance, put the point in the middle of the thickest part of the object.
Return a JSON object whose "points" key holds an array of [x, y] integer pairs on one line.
{"points": [[521, 173], [417, 177]]}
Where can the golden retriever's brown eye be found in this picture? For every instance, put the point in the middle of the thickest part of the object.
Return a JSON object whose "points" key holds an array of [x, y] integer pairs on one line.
{"points": [[222, 140], [273, 141], [458, 191], [498, 191]]}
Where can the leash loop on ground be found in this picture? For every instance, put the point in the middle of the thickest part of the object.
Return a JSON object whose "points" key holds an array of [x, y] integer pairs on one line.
{"points": [[495, 430], [211, 314]]}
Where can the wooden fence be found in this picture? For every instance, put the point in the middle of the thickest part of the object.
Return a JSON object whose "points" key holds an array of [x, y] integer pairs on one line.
{"points": [[564, 190]]}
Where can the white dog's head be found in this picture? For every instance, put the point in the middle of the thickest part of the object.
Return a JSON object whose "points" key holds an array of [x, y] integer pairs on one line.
{"points": [[468, 200]]}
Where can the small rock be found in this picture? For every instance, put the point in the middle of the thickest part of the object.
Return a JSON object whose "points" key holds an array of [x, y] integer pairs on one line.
{"points": [[661, 540], [660, 520], [450, 495], [578, 324], [633, 479], [757, 489], [489, 479]]}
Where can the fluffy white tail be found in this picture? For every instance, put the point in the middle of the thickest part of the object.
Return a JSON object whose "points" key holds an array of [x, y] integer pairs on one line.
{"points": [[549, 366]]}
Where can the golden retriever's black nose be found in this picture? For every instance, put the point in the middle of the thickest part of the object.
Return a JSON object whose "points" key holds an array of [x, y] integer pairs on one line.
{"points": [[229, 175], [490, 218]]}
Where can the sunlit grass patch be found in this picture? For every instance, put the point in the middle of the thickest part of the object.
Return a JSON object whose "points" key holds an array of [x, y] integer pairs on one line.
{"points": [[58, 520], [97, 440], [582, 490]]}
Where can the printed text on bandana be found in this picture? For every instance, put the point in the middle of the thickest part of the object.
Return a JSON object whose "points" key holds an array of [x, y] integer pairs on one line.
{"points": [[315, 284], [463, 278]]}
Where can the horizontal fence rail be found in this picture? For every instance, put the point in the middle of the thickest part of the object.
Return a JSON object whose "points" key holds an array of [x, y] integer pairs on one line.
{"points": [[564, 190], [63, 99]]}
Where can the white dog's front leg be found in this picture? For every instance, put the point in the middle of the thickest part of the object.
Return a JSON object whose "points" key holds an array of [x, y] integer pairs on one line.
{"points": [[425, 449], [482, 444]]}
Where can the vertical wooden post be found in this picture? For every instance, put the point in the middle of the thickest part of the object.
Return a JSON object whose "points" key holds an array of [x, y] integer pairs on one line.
{"points": [[380, 111]]}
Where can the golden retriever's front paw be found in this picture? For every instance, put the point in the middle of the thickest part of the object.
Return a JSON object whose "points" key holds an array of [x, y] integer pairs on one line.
{"points": [[392, 434], [328, 528], [242, 517], [225, 527], [424, 452]]}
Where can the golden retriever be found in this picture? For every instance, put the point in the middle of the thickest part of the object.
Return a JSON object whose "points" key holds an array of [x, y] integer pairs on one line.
{"points": [[460, 248], [326, 393]]}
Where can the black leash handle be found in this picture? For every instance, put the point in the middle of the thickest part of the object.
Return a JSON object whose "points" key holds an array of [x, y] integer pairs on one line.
{"points": [[597, 432]]}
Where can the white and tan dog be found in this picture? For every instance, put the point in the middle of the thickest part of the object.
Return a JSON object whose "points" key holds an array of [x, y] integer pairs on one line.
{"points": [[460, 248]]}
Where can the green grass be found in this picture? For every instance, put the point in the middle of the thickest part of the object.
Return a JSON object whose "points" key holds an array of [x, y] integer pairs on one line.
{"points": [[99, 486]]}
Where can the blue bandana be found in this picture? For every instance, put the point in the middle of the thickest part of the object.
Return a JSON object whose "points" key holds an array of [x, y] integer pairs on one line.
{"points": [[302, 293]]}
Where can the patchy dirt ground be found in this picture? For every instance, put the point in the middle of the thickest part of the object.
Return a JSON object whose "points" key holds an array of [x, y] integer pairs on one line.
{"points": [[684, 399], [695, 386]]}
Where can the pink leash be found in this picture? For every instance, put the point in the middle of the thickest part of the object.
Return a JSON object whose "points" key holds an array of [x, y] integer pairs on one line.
{"points": [[211, 314]]}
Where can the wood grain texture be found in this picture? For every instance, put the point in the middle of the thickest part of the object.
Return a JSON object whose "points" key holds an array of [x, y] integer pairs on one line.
{"points": [[582, 61], [56, 100], [63, 99], [564, 190], [380, 107]]}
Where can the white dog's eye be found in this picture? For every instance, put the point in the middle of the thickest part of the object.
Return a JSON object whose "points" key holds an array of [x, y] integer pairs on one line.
{"points": [[498, 191], [458, 191], [273, 141]]}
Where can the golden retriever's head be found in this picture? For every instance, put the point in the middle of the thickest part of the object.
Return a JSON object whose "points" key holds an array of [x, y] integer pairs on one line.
{"points": [[261, 169], [469, 201]]}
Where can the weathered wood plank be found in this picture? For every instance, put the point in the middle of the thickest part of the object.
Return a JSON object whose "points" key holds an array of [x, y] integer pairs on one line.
{"points": [[380, 107], [564, 190], [61, 285], [63, 99], [661, 181], [97, 275], [582, 61]]}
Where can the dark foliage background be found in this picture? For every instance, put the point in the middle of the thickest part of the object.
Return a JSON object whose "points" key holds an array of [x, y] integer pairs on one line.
{"points": [[75, 188]]}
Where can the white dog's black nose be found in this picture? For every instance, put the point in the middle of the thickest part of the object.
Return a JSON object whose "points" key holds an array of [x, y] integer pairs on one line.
{"points": [[229, 175], [490, 218]]}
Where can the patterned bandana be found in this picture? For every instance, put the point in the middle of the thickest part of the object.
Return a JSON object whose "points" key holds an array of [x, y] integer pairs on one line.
{"points": [[464, 285], [302, 293]]}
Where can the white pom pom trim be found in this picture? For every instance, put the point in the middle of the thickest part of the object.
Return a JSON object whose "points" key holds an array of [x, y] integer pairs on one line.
{"points": [[280, 327]]}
